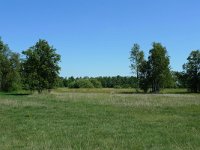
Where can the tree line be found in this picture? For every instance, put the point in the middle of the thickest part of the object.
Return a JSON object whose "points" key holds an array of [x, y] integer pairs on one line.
{"points": [[38, 69], [98, 82], [177, 80], [155, 73]]}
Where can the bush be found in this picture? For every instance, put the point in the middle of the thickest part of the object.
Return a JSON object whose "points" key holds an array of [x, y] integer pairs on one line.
{"points": [[73, 85], [84, 83], [81, 83], [96, 83]]}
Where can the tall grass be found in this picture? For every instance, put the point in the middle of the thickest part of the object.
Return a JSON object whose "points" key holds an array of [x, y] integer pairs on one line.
{"points": [[107, 119]]}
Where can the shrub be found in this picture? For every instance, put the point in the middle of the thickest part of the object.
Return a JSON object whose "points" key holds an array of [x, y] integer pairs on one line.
{"points": [[81, 83], [96, 83], [84, 83], [73, 85]]}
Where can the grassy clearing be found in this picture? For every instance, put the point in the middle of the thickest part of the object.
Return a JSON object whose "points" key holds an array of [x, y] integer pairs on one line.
{"points": [[107, 119], [96, 90], [116, 91]]}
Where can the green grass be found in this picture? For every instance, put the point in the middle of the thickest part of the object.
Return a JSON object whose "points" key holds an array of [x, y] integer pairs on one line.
{"points": [[96, 90], [118, 91], [174, 91], [107, 119]]}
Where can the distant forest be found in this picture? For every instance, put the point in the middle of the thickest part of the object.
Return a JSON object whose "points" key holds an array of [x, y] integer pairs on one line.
{"points": [[38, 70], [178, 81]]}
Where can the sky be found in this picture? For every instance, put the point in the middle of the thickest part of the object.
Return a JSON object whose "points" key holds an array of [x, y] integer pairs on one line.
{"points": [[94, 37]]}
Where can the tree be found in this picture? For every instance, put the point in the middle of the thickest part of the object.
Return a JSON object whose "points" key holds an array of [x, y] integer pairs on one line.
{"points": [[60, 82], [159, 67], [9, 69], [136, 58], [180, 79], [192, 70], [40, 67], [144, 74], [67, 81]]}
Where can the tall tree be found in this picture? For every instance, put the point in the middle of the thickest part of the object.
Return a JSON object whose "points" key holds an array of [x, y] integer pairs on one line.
{"points": [[144, 74], [136, 58], [40, 67], [9, 68], [159, 67], [192, 70]]}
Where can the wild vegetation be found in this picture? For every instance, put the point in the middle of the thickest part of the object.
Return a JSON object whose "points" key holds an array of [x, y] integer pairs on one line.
{"points": [[99, 119], [99, 82], [39, 70]]}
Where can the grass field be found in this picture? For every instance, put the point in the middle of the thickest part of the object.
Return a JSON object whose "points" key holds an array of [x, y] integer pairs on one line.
{"points": [[100, 119]]}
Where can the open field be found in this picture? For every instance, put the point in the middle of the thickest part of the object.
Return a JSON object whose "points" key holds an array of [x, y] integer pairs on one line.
{"points": [[100, 119], [116, 91]]}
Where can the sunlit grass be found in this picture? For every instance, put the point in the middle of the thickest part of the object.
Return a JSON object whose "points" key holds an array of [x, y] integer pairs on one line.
{"points": [[95, 119], [113, 90]]}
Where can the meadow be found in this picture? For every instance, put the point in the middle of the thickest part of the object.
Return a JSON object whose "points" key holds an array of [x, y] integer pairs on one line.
{"points": [[100, 119]]}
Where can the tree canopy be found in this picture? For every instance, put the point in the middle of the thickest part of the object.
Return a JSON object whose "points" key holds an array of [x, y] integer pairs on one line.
{"points": [[40, 67], [159, 67], [136, 58], [9, 68], [192, 70], [154, 72]]}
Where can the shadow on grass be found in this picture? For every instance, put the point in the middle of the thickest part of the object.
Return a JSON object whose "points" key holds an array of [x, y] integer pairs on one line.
{"points": [[17, 94], [14, 94]]}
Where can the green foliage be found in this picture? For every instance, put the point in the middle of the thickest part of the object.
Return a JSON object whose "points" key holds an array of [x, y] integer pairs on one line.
{"points": [[73, 85], [180, 79], [68, 81], [81, 83], [9, 69], [144, 71], [159, 67], [60, 82], [104, 82], [170, 81], [40, 67], [192, 70], [96, 83], [116, 81], [39, 71], [84, 83], [155, 72], [136, 58]]}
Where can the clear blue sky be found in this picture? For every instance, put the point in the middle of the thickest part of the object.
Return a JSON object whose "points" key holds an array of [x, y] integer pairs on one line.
{"points": [[94, 37]]}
